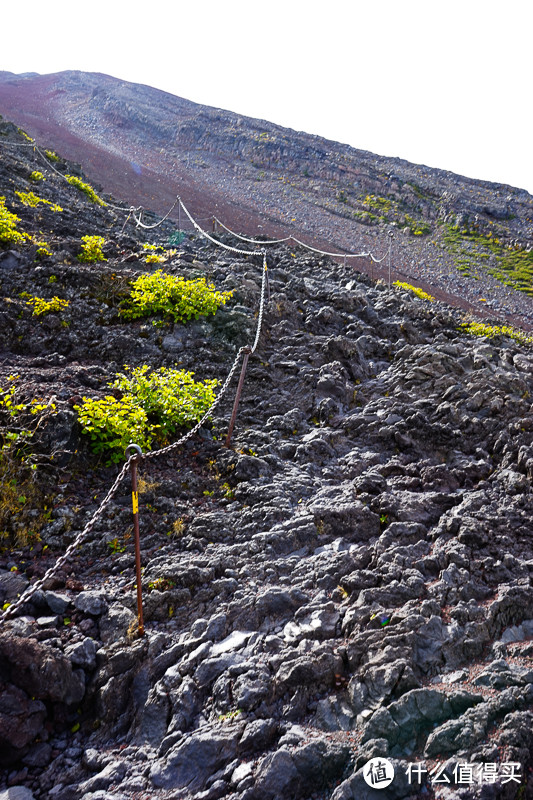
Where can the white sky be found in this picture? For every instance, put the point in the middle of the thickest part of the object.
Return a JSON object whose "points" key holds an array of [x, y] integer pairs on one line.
{"points": [[447, 84]]}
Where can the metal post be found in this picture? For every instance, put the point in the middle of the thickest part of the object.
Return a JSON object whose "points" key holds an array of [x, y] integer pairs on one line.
{"points": [[246, 350], [265, 267], [135, 506], [391, 237]]}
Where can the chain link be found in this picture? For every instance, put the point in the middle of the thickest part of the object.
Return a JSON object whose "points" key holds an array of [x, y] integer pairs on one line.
{"points": [[215, 241], [252, 241], [34, 587], [157, 224]]}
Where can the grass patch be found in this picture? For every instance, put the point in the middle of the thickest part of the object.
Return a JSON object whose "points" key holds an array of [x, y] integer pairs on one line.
{"points": [[490, 331], [513, 266]]}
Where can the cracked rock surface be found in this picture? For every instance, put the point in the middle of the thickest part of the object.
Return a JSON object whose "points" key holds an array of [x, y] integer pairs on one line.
{"points": [[350, 579]]}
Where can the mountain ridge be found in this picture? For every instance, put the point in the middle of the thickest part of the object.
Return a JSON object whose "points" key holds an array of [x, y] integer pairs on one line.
{"points": [[146, 145]]}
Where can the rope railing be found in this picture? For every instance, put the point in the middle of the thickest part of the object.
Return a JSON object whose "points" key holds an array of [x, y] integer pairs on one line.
{"points": [[212, 239]]}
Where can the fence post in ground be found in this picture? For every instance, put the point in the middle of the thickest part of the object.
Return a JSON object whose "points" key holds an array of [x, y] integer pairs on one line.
{"points": [[391, 237], [246, 350], [135, 506]]}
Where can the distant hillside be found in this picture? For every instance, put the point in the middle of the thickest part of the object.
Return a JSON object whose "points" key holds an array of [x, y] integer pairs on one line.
{"points": [[463, 237]]}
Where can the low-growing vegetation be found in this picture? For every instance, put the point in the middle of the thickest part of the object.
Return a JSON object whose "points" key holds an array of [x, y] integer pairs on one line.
{"points": [[154, 404], [86, 188], [20, 494], [172, 297], [33, 200], [91, 249], [415, 290], [490, 331], [8, 226], [474, 249], [40, 306]]}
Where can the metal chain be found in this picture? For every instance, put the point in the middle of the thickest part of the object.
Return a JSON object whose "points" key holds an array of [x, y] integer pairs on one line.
{"points": [[338, 255], [34, 587], [246, 348], [252, 241], [190, 434], [157, 224], [261, 303], [215, 241]]}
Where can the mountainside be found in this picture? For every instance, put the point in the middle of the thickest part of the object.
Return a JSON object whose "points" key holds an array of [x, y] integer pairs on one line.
{"points": [[351, 579], [469, 240]]}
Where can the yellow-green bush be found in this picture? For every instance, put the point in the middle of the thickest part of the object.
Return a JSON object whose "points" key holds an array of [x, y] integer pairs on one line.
{"points": [[153, 406], [490, 331], [86, 188], [41, 306], [91, 249], [172, 297], [33, 200], [8, 226], [415, 290]]}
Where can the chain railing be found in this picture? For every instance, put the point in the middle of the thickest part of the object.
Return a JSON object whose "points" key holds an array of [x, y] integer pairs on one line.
{"points": [[139, 456], [133, 459]]}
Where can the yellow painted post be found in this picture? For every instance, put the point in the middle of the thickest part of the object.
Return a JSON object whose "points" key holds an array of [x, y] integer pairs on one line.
{"points": [[135, 507]]}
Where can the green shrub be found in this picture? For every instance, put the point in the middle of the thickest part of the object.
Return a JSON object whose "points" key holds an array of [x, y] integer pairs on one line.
{"points": [[41, 306], [172, 297], [86, 189], [113, 424], [91, 249], [51, 156], [33, 200], [170, 397], [8, 226], [36, 176], [153, 406]]}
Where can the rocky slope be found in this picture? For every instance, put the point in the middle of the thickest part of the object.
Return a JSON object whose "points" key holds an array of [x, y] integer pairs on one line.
{"points": [[351, 579], [469, 240]]}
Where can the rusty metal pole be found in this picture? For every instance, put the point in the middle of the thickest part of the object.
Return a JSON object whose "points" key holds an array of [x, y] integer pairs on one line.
{"points": [[391, 237], [246, 350], [135, 506], [267, 283]]}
